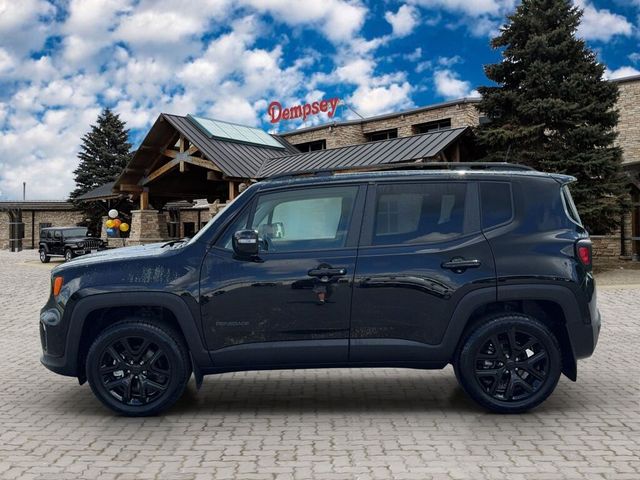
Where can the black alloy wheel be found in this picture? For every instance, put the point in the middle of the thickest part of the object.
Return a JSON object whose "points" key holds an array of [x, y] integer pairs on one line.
{"points": [[68, 255], [510, 364], [134, 370], [44, 258], [138, 368]]}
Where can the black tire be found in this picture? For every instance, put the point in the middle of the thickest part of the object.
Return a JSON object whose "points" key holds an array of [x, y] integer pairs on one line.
{"points": [[44, 258], [121, 380], [509, 379], [68, 255]]}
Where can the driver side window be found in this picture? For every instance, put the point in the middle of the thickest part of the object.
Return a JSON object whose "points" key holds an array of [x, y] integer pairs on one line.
{"points": [[304, 219]]}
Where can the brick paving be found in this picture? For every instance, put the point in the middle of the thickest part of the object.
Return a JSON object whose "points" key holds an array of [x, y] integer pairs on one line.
{"points": [[315, 424]]}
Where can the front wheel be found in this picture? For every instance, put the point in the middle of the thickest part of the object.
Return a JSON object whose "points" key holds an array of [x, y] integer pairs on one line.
{"points": [[510, 364], [137, 368], [68, 255], [44, 258]]}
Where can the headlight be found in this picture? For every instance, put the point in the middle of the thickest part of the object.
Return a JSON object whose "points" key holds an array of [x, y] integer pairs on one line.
{"points": [[80, 244]]}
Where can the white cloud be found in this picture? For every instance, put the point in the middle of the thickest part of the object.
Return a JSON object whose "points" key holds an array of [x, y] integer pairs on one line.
{"points": [[339, 20], [602, 24], [449, 85], [620, 73], [403, 21], [368, 101], [470, 7]]}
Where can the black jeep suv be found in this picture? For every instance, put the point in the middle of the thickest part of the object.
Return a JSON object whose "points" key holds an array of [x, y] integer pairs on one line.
{"points": [[68, 242], [489, 271]]}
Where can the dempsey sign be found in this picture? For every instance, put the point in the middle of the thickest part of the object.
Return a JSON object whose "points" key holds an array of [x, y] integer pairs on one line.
{"points": [[277, 112]]}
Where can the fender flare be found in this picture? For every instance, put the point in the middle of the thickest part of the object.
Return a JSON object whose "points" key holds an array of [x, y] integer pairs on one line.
{"points": [[561, 295], [92, 302]]}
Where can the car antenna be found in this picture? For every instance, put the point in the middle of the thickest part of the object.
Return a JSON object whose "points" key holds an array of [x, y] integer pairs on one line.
{"points": [[506, 157]]}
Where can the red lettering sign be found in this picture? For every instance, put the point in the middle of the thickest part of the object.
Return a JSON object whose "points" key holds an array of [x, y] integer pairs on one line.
{"points": [[277, 112]]}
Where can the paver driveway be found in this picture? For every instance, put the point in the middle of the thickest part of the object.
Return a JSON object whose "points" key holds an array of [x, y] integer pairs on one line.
{"points": [[315, 424]]}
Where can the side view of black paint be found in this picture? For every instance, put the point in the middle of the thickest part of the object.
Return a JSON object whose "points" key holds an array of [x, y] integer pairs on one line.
{"points": [[489, 271]]}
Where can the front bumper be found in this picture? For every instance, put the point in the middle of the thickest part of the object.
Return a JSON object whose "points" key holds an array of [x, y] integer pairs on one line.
{"points": [[53, 341]]}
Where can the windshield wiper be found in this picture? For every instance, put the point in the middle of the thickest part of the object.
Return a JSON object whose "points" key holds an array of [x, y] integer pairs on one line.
{"points": [[173, 242]]}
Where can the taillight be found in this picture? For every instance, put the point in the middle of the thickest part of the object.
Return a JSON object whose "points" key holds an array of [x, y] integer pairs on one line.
{"points": [[57, 285], [584, 254]]}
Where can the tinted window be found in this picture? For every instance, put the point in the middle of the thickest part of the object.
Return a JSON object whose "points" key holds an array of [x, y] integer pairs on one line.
{"points": [[572, 211], [309, 219], [497, 207], [420, 213], [57, 234]]}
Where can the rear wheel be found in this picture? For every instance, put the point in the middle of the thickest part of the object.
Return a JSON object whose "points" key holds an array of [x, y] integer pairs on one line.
{"points": [[509, 364], [137, 369], [44, 258], [68, 255]]}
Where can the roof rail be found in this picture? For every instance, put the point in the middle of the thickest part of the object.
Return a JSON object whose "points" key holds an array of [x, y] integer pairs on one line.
{"points": [[499, 166]]}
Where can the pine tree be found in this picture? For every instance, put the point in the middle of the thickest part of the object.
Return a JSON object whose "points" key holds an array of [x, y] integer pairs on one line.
{"points": [[104, 153], [552, 110]]}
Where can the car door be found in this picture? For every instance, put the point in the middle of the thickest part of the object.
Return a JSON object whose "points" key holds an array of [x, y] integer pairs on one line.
{"points": [[290, 305], [56, 244], [422, 250]]}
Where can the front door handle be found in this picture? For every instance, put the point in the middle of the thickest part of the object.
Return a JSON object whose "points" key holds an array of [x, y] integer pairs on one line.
{"points": [[327, 272], [459, 265]]}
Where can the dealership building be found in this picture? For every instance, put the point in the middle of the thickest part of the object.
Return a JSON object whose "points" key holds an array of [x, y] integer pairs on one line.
{"points": [[187, 168]]}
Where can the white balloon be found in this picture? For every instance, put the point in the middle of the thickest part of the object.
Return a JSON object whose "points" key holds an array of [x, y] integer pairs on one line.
{"points": [[113, 213]]}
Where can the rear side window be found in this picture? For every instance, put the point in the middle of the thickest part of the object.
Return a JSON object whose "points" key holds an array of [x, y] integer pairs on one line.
{"points": [[420, 213], [572, 211], [497, 205]]}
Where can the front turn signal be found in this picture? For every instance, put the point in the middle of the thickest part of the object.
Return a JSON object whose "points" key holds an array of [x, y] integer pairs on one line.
{"points": [[57, 285]]}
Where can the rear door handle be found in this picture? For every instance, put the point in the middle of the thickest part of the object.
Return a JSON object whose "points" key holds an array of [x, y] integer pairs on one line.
{"points": [[460, 264], [327, 272]]}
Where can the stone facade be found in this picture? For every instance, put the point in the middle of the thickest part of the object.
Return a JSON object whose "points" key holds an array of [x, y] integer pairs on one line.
{"points": [[628, 125], [462, 114], [33, 219], [147, 226]]}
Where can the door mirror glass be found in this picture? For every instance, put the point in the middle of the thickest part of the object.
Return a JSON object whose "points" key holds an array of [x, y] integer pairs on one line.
{"points": [[245, 243]]}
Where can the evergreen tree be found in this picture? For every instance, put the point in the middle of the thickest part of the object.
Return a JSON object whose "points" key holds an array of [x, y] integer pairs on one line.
{"points": [[104, 153], [552, 110]]}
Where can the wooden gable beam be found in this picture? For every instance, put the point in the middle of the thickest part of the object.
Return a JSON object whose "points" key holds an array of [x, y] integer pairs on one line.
{"points": [[160, 171]]}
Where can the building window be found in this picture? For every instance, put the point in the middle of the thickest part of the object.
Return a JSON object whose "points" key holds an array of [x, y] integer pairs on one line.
{"points": [[432, 126], [382, 135], [189, 229], [173, 225], [312, 146]]}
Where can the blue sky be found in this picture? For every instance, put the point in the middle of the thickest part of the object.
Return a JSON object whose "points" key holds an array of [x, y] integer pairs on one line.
{"points": [[61, 61]]}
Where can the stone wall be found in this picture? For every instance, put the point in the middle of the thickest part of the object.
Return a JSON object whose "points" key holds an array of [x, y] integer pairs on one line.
{"points": [[628, 125], [32, 220], [147, 226], [461, 115], [4, 230]]}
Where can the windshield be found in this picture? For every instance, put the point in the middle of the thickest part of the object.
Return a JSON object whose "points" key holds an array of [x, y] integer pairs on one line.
{"points": [[216, 218], [75, 232]]}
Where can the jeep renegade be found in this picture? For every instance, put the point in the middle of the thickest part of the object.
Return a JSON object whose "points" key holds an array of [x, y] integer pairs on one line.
{"points": [[487, 270]]}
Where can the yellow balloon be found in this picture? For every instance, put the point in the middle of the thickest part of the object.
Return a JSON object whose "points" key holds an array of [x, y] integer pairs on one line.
{"points": [[124, 227], [109, 223]]}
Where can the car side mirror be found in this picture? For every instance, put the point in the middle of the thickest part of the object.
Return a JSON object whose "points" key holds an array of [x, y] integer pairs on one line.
{"points": [[245, 243]]}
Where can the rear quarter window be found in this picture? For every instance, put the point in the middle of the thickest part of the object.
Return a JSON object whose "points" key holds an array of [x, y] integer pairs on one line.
{"points": [[570, 206], [497, 203]]}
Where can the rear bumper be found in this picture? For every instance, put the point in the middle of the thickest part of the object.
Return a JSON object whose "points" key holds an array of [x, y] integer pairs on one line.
{"points": [[584, 337]]}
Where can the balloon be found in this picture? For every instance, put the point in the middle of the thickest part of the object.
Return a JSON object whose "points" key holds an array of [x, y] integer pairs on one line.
{"points": [[111, 232], [113, 213], [109, 223], [124, 227], [117, 222]]}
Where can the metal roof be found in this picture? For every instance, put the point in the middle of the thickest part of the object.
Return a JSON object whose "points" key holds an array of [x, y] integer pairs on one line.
{"points": [[45, 205], [235, 159], [102, 192], [405, 149]]}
